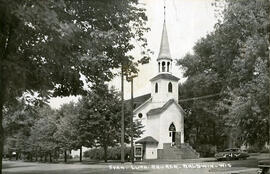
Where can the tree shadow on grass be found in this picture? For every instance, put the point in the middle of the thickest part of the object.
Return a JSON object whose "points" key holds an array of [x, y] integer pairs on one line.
{"points": [[8, 166], [78, 171]]}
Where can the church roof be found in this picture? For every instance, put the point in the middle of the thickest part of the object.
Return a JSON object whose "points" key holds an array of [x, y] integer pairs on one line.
{"points": [[140, 99], [147, 139], [137, 101], [163, 108], [164, 51], [165, 76]]}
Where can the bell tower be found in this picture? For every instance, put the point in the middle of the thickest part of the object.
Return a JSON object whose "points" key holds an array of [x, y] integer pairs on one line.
{"points": [[164, 84]]}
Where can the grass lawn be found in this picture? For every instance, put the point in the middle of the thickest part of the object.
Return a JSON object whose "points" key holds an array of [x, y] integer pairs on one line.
{"points": [[90, 167], [18, 167]]}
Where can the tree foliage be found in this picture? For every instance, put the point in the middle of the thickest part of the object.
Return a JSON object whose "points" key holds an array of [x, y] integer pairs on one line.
{"points": [[233, 62], [100, 119], [67, 134], [46, 46]]}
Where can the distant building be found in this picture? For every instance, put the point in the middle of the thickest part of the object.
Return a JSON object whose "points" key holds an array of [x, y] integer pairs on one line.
{"points": [[160, 113]]}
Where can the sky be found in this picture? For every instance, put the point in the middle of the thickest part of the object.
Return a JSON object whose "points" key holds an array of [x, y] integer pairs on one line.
{"points": [[186, 20]]}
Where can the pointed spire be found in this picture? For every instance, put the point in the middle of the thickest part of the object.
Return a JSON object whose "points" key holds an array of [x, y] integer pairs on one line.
{"points": [[164, 51]]}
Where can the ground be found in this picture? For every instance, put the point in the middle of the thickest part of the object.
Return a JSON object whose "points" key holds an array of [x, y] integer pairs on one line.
{"points": [[248, 166]]}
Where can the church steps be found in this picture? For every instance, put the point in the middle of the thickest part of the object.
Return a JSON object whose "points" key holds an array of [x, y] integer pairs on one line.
{"points": [[183, 151]]}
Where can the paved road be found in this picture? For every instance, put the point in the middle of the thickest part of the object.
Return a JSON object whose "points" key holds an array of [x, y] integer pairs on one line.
{"points": [[201, 166]]}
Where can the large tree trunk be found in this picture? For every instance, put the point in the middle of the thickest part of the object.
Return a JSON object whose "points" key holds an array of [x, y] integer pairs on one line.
{"points": [[105, 152], [36, 156], [1, 114], [81, 154], [50, 155], [45, 157], [65, 156], [5, 31], [31, 157], [17, 155], [1, 131]]}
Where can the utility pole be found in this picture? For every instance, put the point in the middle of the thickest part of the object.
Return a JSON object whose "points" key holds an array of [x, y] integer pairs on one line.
{"points": [[122, 117], [267, 36], [131, 124], [130, 78], [269, 93]]}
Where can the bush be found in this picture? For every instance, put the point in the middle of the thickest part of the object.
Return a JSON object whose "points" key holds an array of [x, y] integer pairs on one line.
{"points": [[206, 150], [254, 149], [265, 150], [114, 153]]}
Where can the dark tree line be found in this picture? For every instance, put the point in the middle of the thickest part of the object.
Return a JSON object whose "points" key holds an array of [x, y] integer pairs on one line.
{"points": [[46, 134], [232, 62], [46, 46]]}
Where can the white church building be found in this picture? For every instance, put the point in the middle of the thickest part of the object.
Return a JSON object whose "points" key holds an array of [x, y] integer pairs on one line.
{"points": [[160, 113]]}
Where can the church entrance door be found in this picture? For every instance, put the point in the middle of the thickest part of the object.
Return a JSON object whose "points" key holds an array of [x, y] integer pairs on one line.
{"points": [[173, 137], [172, 133]]}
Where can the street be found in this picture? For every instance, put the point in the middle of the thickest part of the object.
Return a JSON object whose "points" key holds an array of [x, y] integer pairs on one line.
{"points": [[199, 166]]}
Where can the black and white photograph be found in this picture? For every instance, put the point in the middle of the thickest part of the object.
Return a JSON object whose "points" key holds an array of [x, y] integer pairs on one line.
{"points": [[134, 87]]}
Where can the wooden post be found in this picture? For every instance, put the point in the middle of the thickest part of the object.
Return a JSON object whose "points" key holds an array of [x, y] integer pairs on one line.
{"points": [[122, 118], [81, 154], [65, 155], [131, 123], [269, 96]]}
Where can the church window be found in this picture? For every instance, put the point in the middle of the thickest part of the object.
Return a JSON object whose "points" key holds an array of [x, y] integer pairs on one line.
{"points": [[158, 66], [170, 87], [172, 128], [168, 67], [163, 66], [156, 88], [140, 115]]}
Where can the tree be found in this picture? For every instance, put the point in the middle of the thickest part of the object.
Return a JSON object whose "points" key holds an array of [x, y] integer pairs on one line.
{"points": [[232, 62], [67, 134], [42, 133], [100, 116], [18, 120], [46, 46]]}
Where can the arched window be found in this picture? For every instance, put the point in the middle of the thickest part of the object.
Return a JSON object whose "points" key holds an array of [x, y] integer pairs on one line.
{"points": [[158, 66], [172, 132], [168, 66], [163, 66], [156, 88], [170, 87], [172, 128]]}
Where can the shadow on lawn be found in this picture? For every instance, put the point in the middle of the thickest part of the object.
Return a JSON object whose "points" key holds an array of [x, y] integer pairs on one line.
{"points": [[8, 166]]}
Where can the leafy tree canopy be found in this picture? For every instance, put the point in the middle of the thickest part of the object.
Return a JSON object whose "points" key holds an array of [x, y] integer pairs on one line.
{"points": [[233, 62], [100, 119], [46, 46]]}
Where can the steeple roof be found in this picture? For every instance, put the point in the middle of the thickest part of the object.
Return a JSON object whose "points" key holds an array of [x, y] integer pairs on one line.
{"points": [[164, 51]]}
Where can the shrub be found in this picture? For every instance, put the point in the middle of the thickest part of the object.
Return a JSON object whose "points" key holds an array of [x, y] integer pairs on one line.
{"points": [[114, 153], [206, 150], [254, 149], [265, 150]]}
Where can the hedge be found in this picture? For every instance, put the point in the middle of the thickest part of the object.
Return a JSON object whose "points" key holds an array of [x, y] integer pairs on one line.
{"points": [[114, 153]]}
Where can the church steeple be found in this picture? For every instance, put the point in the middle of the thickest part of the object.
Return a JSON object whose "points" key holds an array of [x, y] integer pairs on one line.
{"points": [[164, 51], [164, 57], [164, 84]]}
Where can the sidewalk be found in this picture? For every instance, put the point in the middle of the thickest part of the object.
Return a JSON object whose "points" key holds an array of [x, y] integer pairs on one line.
{"points": [[235, 170], [173, 161]]}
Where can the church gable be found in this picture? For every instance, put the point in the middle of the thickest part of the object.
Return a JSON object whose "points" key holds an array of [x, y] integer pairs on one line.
{"points": [[160, 110], [165, 76], [142, 106]]}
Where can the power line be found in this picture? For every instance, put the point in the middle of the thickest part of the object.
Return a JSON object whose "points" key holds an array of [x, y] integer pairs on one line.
{"points": [[199, 98]]}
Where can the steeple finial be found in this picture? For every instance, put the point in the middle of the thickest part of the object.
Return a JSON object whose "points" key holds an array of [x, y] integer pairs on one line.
{"points": [[164, 11]]}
